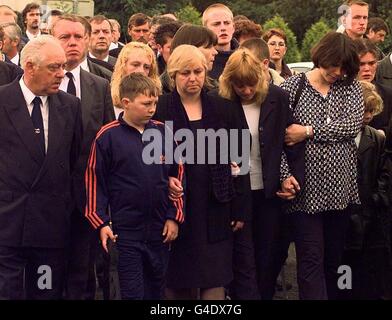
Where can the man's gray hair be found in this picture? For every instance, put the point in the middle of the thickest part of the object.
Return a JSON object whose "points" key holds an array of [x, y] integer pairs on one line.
{"points": [[12, 30], [32, 50]]}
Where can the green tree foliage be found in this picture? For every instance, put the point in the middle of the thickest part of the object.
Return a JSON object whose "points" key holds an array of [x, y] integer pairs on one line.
{"points": [[189, 14], [123, 9], [299, 15], [292, 54], [313, 36]]}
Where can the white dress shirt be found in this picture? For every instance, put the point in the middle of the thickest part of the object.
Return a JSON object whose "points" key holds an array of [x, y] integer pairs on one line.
{"points": [[94, 57], [84, 65], [117, 111], [76, 78], [32, 36], [29, 97], [252, 114], [113, 46], [15, 60]]}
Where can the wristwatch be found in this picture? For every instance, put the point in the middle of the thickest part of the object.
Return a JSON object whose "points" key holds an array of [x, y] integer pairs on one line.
{"points": [[307, 128]]}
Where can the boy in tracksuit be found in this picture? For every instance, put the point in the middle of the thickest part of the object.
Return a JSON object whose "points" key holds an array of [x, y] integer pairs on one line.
{"points": [[143, 218]]}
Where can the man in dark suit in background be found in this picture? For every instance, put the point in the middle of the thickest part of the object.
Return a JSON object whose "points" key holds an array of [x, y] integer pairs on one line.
{"points": [[97, 110], [12, 41], [40, 143], [8, 72], [87, 63], [101, 37]]}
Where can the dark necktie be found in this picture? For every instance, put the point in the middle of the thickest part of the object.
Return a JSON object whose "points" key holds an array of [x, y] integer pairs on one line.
{"points": [[71, 89], [38, 123]]}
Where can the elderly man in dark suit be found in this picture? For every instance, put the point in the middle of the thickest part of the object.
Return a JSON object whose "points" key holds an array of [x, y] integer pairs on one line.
{"points": [[97, 110], [40, 143]]}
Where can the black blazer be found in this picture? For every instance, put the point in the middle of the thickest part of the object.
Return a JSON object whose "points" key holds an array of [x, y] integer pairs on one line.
{"points": [[9, 72], [275, 117], [381, 121], [368, 220], [107, 65], [35, 189], [115, 52], [238, 208], [97, 110], [99, 70]]}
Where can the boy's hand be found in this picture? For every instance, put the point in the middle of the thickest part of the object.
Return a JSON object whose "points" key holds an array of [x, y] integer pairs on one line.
{"points": [[175, 189], [170, 231], [104, 234]]}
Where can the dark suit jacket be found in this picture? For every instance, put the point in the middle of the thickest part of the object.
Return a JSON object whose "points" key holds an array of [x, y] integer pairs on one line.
{"points": [[115, 52], [99, 70], [384, 71], [97, 110], [275, 117], [381, 121], [107, 65], [35, 189], [9, 72], [368, 220]]}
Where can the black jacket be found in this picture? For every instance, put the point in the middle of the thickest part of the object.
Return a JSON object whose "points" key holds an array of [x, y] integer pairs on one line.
{"points": [[275, 117], [221, 59], [97, 110], [381, 120], [230, 204], [35, 189], [99, 70], [9, 72], [369, 220]]}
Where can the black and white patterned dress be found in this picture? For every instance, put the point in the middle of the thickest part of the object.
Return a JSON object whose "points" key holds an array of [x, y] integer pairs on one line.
{"points": [[331, 156]]}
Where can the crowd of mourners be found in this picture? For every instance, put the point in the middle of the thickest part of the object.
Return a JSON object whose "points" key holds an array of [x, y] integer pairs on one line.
{"points": [[82, 209]]}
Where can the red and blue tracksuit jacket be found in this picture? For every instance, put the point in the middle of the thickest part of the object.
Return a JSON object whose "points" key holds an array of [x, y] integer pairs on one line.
{"points": [[136, 193]]}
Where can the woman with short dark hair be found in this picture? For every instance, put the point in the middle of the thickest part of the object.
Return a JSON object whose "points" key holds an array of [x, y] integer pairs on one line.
{"points": [[202, 38], [277, 44], [328, 105]]}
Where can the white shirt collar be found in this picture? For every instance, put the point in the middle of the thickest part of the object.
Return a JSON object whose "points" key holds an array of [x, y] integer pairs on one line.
{"points": [[32, 36], [390, 57], [15, 60], [113, 46], [84, 65], [76, 73], [76, 78], [29, 95], [94, 57]]}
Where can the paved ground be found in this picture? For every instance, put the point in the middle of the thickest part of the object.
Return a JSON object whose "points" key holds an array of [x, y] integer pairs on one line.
{"points": [[291, 278], [289, 272]]}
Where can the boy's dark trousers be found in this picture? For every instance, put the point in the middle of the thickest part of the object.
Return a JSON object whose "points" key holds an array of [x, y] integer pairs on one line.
{"points": [[142, 269]]}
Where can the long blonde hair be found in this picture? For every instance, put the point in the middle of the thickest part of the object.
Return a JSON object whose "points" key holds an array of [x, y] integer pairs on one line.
{"points": [[243, 67], [120, 68]]}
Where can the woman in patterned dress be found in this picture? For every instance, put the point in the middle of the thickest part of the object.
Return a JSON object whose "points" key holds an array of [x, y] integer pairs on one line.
{"points": [[329, 112]]}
